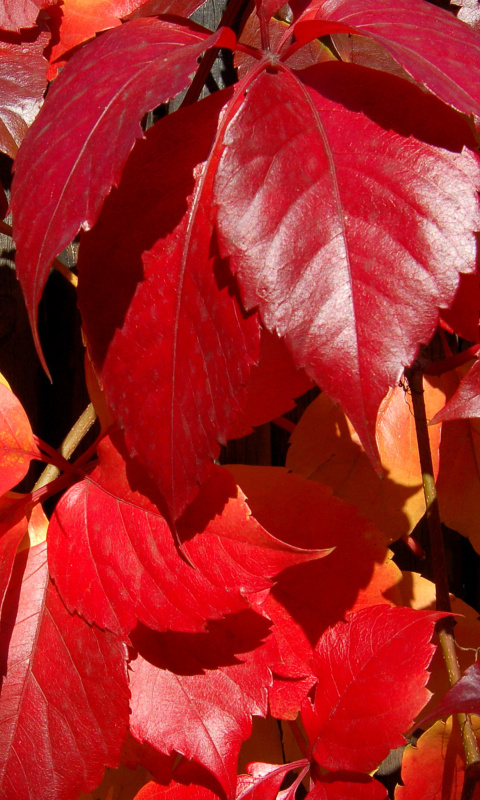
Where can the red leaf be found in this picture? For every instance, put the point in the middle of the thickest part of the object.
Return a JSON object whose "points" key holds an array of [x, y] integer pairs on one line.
{"points": [[75, 21], [165, 332], [264, 780], [348, 789], [196, 693], [305, 601], [463, 697], [462, 316], [273, 384], [64, 703], [372, 671], [181, 8], [142, 64], [22, 84], [465, 403], [175, 791], [17, 445], [17, 14], [443, 54], [112, 555], [330, 291]]}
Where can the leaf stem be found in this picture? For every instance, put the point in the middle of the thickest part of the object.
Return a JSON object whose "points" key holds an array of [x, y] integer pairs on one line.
{"points": [[444, 626], [6, 229], [232, 11], [69, 445]]}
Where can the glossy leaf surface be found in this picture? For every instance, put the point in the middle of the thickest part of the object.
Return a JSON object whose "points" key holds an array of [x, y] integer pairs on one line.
{"points": [[356, 332], [436, 57], [369, 688], [166, 333], [85, 707], [17, 14], [57, 159], [22, 84]]}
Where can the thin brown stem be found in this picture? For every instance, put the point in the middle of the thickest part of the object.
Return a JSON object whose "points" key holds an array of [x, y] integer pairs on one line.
{"points": [[69, 445], [56, 264], [444, 626]]}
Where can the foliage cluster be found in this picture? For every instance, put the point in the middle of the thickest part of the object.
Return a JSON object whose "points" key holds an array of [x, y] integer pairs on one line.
{"points": [[315, 223]]}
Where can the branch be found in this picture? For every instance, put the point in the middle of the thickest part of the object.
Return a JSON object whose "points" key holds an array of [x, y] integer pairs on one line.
{"points": [[445, 626], [69, 445]]}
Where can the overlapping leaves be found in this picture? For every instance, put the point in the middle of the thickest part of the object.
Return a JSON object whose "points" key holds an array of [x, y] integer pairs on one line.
{"points": [[336, 206]]}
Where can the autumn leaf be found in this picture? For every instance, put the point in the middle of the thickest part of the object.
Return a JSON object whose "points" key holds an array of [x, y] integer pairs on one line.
{"points": [[369, 688], [329, 292], [325, 448], [56, 156], [196, 693], [166, 334], [63, 681], [17, 445], [435, 766]]}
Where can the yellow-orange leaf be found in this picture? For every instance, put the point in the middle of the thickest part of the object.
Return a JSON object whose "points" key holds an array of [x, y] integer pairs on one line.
{"points": [[325, 448]]}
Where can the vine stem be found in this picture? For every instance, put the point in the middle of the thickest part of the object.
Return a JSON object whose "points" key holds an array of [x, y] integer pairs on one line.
{"points": [[69, 445], [56, 264], [232, 11], [444, 626]]}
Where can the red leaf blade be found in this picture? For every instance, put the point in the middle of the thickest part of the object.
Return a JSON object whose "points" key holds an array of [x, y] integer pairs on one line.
{"points": [[371, 684], [74, 167], [329, 290], [64, 682]]}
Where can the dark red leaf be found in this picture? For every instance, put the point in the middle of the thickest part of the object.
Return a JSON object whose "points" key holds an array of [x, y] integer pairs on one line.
{"points": [[465, 403], [273, 384], [64, 702], [370, 229], [75, 151], [17, 14], [462, 316], [443, 54], [113, 558], [305, 601], [165, 332], [463, 697], [372, 671], [196, 693], [22, 84], [182, 8]]}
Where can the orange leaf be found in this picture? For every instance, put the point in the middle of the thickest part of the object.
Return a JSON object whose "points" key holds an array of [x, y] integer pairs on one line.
{"points": [[325, 448]]}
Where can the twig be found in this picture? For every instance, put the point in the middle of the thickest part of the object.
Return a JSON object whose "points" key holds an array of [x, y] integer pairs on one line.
{"points": [[444, 627], [69, 445]]}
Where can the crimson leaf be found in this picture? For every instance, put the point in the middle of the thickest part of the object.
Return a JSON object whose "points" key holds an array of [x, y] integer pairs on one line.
{"points": [[74, 152], [443, 54], [196, 693], [63, 681], [370, 687], [464, 696], [376, 219], [166, 334], [112, 555]]}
